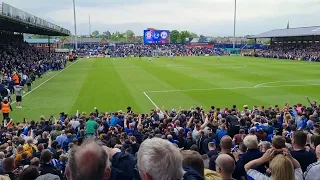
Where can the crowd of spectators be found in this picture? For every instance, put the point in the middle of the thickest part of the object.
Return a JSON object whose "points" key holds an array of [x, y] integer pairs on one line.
{"points": [[274, 142], [307, 52], [19, 58], [219, 143], [146, 50]]}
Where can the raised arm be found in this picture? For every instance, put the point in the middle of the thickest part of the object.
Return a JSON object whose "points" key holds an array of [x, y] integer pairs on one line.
{"points": [[125, 122], [308, 99], [139, 120], [190, 122], [50, 141], [55, 120], [32, 134], [206, 121]]}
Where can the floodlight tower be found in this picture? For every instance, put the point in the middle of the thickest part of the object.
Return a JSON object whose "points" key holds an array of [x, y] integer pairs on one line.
{"points": [[234, 25], [75, 25]]}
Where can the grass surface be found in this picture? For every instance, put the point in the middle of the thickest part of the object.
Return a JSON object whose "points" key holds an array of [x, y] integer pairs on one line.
{"points": [[111, 85]]}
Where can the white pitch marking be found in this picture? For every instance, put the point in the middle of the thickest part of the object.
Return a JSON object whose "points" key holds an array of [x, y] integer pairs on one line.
{"points": [[274, 82], [209, 89], [226, 66], [46, 81], [151, 100]]}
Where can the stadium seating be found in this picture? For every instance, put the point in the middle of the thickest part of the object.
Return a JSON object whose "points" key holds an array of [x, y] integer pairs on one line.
{"points": [[307, 52], [17, 57]]}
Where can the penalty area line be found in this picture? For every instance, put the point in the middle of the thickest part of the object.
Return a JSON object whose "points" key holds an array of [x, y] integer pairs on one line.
{"points": [[155, 105], [231, 88], [45, 81]]}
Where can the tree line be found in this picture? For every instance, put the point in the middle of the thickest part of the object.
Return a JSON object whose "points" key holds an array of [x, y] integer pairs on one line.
{"points": [[129, 36]]}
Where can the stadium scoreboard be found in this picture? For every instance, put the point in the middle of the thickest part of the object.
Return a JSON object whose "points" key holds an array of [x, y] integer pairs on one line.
{"points": [[156, 36]]}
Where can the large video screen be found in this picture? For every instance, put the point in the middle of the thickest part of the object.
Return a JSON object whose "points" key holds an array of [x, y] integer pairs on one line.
{"points": [[156, 36]]}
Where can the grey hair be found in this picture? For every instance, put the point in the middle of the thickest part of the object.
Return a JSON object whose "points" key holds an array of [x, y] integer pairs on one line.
{"points": [[160, 159], [88, 161], [251, 141], [266, 145]]}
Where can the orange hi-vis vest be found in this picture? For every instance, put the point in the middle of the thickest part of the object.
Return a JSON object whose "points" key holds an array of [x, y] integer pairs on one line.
{"points": [[5, 108], [16, 78]]}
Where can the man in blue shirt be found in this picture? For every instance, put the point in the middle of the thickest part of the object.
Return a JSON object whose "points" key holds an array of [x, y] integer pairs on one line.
{"points": [[62, 138], [270, 136], [114, 120]]}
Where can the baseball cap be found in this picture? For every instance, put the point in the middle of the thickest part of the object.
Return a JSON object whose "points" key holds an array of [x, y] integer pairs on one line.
{"points": [[253, 129], [259, 129]]}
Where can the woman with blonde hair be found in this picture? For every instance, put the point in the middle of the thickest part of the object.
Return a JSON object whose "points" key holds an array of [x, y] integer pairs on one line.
{"points": [[282, 166]]}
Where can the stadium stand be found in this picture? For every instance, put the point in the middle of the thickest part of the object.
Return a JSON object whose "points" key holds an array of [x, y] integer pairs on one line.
{"points": [[292, 43]]}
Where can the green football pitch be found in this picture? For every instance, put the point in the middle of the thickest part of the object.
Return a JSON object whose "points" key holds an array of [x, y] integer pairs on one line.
{"points": [[113, 84]]}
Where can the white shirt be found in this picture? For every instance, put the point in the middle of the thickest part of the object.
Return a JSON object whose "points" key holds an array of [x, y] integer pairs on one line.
{"points": [[312, 172], [161, 115], [74, 123], [24, 77], [195, 134]]}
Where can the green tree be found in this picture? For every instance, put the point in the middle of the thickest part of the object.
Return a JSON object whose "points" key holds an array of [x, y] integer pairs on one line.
{"points": [[95, 33], [130, 35], [194, 35], [183, 35], [251, 41], [266, 41], [107, 34], [174, 35]]}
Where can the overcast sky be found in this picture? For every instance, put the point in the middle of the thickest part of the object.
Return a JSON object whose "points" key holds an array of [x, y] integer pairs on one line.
{"points": [[208, 17]]}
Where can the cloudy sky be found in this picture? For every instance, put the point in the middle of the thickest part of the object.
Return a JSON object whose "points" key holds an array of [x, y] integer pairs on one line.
{"points": [[208, 17]]}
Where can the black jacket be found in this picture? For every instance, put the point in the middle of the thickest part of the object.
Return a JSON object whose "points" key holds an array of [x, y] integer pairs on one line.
{"points": [[190, 142], [47, 168], [123, 166]]}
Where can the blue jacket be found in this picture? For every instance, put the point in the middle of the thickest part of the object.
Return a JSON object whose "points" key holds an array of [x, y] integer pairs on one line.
{"points": [[113, 121], [191, 174]]}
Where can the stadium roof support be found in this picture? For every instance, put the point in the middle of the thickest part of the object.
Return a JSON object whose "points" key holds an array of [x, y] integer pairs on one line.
{"points": [[15, 20], [290, 32]]}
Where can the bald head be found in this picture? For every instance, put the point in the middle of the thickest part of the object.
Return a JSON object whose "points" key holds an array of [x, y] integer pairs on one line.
{"points": [[226, 164], [226, 143], [88, 161]]}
